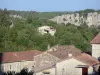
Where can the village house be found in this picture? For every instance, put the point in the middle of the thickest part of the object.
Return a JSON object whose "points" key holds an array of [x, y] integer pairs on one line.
{"points": [[96, 47], [63, 60], [47, 29], [16, 61], [69, 66]]}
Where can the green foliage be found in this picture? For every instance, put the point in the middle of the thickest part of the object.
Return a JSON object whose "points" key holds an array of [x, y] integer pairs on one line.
{"points": [[89, 10], [4, 18], [70, 34], [24, 35]]}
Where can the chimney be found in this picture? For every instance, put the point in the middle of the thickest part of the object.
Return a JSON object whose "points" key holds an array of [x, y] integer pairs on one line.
{"points": [[69, 55], [48, 46]]}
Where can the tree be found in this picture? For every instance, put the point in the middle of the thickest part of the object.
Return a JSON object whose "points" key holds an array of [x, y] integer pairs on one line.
{"points": [[24, 71], [4, 18]]}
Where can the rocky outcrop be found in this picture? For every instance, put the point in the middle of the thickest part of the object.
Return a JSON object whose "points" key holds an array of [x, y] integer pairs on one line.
{"points": [[79, 19], [16, 16]]}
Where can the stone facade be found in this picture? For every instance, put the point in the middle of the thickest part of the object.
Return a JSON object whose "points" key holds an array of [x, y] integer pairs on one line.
{"points": [[66, 67], [47, 29], [96, 46], [44, 61], [96, 50], [56, 62], [77, 19], [17, 66], [16, 16], [16, 61]]}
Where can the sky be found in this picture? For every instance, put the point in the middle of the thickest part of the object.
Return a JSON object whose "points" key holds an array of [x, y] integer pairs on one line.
{"points": [[50, 5]]}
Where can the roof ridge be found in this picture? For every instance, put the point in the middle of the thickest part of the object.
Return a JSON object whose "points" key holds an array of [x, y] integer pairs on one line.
{"points": [[23, 51], [85, 54], [96, 39]]}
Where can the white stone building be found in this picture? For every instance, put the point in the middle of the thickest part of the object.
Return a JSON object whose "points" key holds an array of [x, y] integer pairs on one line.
{"points": [[47, 29], [16, 16], [96, 46], [68, 66], [16, 61]]}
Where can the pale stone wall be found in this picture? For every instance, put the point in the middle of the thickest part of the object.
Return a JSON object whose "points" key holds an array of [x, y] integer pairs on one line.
{"points": [[67, 67], [17, 66], [45, 58], [96, 50], [48, 30], [16, 16]]}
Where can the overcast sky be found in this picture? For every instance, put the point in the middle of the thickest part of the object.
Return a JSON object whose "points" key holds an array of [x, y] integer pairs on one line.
{"points": [[50, 5]]}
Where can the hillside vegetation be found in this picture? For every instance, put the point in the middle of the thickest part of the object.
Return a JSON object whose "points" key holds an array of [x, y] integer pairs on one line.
{"points": [[24, 35]]}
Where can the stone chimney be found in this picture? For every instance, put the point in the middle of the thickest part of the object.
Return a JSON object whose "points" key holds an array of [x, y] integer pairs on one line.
{"points": [[69, 55], [48, 46]]}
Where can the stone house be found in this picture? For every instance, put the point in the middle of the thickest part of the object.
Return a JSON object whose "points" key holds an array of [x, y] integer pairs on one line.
{"points": [[47, 29], [68, 66], [16, 61], [96, 46], [63, 58]]}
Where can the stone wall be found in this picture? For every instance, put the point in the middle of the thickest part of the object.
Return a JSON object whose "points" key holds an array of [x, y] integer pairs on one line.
{"points": [[44, 58], [17, 66], [96, 50], [68, 67]]}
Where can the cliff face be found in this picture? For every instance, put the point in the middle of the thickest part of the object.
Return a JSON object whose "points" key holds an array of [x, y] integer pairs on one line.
{"points": [[79, 19]]}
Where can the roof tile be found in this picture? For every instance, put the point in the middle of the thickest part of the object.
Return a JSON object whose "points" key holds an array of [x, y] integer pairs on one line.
{"points": [[18, 56], [64, 52], [96, 40], [85, 58]]}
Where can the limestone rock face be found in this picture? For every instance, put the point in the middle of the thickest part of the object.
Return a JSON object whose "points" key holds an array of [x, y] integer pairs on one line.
{"points": [[77, 19], [16, 16]]}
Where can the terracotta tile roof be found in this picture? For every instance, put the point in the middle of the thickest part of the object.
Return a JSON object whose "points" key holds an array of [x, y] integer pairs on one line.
{"points": [[18, 56], [96, 40], [85, 58], [63, 52]]}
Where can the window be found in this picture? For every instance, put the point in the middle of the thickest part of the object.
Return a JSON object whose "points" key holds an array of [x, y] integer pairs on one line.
{"points": [[63, 70], [64, 19], [46, 73], [2, 68], [10, 66]]}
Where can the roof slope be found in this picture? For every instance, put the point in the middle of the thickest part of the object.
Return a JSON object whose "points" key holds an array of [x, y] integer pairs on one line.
{"points": [[96, 40], [85, 58], [63, 52], [18, 56]]}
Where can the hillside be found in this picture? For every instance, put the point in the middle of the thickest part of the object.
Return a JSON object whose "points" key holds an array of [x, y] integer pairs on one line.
{"points": [[19, 34]]}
